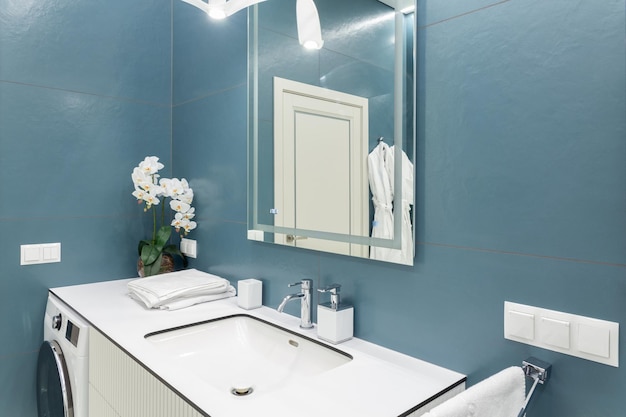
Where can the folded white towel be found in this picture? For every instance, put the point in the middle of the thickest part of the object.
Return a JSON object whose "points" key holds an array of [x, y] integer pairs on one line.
{"points": [[500, 395], [179, 303], [160, 289]]}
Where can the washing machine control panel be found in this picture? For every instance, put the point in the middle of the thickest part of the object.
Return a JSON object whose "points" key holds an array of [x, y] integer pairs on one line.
{"points": [[72, 332]]}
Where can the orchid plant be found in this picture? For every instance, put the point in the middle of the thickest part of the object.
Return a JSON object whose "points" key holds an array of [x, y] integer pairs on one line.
{"points": [[152, 190]]}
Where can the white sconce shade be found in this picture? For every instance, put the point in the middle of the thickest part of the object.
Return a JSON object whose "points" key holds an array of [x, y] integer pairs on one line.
{"points": [[309, 29], [307, 18], [220, 9]]}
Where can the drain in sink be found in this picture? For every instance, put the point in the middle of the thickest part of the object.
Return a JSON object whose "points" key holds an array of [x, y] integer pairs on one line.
{"points": [[241, 391]]}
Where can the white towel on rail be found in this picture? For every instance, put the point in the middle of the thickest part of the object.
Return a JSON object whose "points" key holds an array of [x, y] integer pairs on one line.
{"points": [[500, 395], [160, 289]]}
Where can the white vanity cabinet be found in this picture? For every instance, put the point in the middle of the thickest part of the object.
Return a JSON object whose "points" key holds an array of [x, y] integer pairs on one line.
{"points": [[130, 377], [120, 387]]}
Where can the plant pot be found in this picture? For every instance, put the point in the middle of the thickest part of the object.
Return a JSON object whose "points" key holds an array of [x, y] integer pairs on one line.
{"points": [[167, 265]]}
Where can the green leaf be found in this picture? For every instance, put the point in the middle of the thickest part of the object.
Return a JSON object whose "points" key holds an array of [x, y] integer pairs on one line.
{"points": [[142, 243], [163, 235], [149, 254], [154, 268]]}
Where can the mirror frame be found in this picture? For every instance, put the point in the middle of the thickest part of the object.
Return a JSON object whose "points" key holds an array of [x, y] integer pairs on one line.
{"points": [[400, 96]]}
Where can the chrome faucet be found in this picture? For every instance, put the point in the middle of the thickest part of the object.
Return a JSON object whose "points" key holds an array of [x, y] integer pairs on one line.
{"points": [[306, 307]]}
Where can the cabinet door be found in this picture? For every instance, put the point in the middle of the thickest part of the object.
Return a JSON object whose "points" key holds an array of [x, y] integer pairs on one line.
{"points": [[121, 387], [98, 406]]}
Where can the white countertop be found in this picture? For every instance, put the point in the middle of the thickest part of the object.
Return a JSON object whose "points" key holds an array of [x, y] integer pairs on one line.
{"points": [[378, 382]]}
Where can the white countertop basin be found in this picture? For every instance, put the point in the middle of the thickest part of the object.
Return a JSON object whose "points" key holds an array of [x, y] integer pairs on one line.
{"points": [[377, 382], [244, 355]]}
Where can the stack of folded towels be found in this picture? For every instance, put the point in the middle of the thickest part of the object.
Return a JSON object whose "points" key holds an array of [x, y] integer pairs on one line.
{"points": [[179, 289]]}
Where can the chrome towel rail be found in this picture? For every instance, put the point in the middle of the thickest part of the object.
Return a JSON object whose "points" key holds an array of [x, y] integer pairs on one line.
{"points": [[540, 372]]}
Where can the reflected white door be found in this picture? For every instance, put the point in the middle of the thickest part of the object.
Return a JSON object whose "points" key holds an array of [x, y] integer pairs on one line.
{"points": [[320, 155]]}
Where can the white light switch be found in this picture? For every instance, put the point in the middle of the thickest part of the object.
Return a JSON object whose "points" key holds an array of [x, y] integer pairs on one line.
{"points": [[188, 247], [554, 332], [51, 252], [40, 253], [30, 253], [520, 324], [594, 340]]}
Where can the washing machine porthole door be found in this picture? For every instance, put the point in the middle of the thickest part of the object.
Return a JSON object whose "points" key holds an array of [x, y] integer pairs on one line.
{"points": [[54, 393]]}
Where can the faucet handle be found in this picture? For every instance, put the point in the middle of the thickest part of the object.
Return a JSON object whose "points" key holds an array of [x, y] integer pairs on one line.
{"points": [[305, 283], [332, 288]]}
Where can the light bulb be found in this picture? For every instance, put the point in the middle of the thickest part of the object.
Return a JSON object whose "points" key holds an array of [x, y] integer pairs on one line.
{"points": [[310, 44], [217, 13]]}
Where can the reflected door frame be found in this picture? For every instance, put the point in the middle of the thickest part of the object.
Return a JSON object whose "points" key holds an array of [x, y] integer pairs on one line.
{"points": [[309, 105]]}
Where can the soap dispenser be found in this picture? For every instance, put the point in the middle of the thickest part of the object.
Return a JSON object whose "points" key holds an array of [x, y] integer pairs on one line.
{"points": [[335, 321]]}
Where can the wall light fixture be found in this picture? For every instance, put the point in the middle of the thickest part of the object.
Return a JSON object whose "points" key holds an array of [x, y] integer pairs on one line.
{"points": [[307, 18], [309, 28], [220, 9]]}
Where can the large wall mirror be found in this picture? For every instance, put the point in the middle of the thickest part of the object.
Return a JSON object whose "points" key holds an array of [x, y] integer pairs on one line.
{"points": [[331, 130]]}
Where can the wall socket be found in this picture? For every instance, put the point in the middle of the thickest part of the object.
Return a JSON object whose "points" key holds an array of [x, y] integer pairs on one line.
{"points": [[188, 247]]}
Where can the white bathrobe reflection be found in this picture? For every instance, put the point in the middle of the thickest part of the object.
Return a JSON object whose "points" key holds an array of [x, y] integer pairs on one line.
{"points": [[380, 163]]}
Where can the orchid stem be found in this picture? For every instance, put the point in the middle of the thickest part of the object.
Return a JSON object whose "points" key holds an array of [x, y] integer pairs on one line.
{"points": [[163, 213], [153, 226]]}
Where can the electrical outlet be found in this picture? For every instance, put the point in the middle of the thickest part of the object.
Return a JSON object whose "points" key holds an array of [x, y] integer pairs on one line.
{"points": [[42, 253], [188, 247]]}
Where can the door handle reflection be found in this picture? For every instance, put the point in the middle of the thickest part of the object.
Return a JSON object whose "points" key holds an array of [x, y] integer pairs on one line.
{"points": [[293, 238]]}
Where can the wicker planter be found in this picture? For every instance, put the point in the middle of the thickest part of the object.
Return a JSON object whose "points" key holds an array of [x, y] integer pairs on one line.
{"points": [[167, 265]]}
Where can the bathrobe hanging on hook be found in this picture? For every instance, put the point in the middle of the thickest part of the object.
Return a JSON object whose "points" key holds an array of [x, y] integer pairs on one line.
{"points": [[381, 178]]}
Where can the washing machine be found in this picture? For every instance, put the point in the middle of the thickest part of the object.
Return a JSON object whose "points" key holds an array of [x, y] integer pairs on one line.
{"points": [[63, 363]]}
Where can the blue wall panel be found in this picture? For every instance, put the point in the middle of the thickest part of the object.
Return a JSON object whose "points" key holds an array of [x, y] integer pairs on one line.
{"points": [[107, 48], [85, 94], [207, 53]]}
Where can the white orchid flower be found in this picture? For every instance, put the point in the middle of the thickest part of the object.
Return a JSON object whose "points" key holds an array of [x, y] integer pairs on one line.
{"points": [[174, 185], [152, 189], [151, 199], [189, 214], [179, 206], [189, 226], [187, 196], [139, 194], [139, 178], [150, 165], [178, 221], [166, 185], [152, 196]]}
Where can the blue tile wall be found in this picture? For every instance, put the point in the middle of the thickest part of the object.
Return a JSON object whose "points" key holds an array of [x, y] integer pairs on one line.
{"points": [[521, 182], [528, 122], [521, 193], [85, 94], [89, 47], [206, 52]]}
